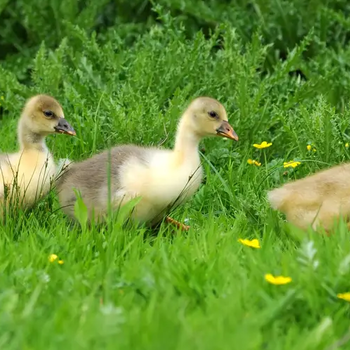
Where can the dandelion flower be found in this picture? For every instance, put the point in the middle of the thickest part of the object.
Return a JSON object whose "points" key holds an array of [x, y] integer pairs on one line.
{"points": [[263, 144], [61, 262], [308, 147], [254, 162], [347, 145], [344, 296], [291, 164], [254, 243], [277, 280], [52, 257]]}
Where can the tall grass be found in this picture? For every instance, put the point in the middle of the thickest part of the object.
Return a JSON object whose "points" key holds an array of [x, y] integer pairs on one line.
{"points": [[124, 73]]}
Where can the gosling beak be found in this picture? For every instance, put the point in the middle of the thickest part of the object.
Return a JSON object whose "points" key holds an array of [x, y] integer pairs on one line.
{"points": [[63, 127], [226, 130]]}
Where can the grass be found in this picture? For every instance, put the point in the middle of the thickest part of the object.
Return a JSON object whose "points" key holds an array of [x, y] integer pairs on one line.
{"points": [[127, 79]]}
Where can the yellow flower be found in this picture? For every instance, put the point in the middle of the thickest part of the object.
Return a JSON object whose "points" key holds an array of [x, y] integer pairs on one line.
{"points": [[291, 163], [254, 243], [61, 262], [52, 257], [255, 162], [308, 147], [263, 144], [344, 296], [278, 280], [347, 145]]}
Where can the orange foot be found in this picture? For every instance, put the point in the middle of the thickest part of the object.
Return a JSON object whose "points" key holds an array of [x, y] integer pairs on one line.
{"points": [[179, 225]]}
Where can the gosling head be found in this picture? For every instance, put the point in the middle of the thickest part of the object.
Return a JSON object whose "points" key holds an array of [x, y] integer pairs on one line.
{"points": [[43, 115], [207, 117]]}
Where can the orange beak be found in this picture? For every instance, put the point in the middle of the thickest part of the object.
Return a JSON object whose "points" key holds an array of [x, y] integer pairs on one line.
{"points": [[226, 130]]}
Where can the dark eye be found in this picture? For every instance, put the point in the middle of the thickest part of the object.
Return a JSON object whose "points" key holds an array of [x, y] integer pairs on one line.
{"points": [[48, 114], [213, 114]]}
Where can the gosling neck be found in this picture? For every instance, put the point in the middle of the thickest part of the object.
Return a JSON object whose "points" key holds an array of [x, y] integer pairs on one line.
{"points": [[30, 140], [186, 142]]}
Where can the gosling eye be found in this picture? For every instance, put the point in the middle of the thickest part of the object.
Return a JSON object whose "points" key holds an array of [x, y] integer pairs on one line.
{"points": [[48, 114], [213, 114]]}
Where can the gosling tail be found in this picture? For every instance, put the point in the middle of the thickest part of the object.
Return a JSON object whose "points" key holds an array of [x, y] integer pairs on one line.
{"points": [[278, 198]]}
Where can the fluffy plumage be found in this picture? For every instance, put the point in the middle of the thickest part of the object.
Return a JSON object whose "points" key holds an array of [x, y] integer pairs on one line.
{"points": [[26, 175], [162, 178], [317, 200]]}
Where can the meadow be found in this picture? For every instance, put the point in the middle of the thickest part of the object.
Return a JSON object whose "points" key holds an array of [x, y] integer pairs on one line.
{"points": [[124, 72]]}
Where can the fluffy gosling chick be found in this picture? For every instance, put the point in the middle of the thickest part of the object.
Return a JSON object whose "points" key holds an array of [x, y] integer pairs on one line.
{"points": [[26, 176], [317, 200], [162, 178]]}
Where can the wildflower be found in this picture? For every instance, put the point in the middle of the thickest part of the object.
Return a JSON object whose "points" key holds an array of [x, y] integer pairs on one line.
{"points": [[255, 162], [52, 257], [344, 296], [347, 145], [61, 262], [254, 243], [263, 144], [310, 147], [291, 164], [278, 280]]}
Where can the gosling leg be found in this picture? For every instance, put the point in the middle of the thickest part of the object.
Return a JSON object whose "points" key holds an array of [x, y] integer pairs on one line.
{"points": [[178, 224]]}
